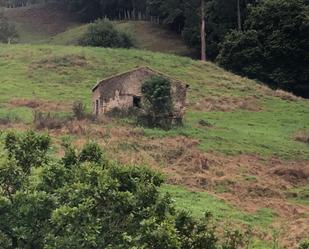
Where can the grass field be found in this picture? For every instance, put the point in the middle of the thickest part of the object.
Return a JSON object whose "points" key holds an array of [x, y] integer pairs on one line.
{"points": [[227, 215], [244, 117], [64, 74], [242, 152], [200, 202]]}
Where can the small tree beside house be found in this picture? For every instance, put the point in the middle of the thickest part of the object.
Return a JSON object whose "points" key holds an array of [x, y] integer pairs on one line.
{"points": [[157, 103], [154, 98]]}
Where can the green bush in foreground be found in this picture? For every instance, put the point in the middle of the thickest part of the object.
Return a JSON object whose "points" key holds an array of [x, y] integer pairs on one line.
{"points": [[304, 245], [84, 201], [102, 33]]}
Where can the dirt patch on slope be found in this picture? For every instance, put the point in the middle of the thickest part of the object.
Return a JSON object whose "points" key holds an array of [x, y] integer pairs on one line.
{"points": [[226, 104], [54, 62], [294, 232], [40, 105], [302, 136], [286, 95], [295, 175]]}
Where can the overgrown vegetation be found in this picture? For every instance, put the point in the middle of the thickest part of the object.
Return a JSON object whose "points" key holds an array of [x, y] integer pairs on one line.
{"points": [[102, 33], [48, 120], [73, 202], [79, 110], [304, 245]]}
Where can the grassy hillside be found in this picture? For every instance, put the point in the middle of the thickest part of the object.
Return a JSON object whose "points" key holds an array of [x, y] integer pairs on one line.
{"points": [[246, 117], [241, 141], [53, 24], [39, 22], [146, 35], [242, 152]]}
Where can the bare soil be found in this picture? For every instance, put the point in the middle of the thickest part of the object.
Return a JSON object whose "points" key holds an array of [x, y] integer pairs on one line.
{"points": [[55, 62], [226, 104], [40, 105]]}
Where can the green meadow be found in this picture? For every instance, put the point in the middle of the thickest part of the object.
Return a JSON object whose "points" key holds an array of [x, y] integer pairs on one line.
{"points": [[66, 73]]}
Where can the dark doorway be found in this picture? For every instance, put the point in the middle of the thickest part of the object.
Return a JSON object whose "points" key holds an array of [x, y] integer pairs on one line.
{"points": [[137, 101], [97, 107]]}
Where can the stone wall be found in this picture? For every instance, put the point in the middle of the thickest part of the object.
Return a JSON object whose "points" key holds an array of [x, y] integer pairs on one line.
{"points": [[119, 91]]}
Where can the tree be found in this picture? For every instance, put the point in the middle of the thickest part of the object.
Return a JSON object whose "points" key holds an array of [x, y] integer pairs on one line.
{"points": [[157, 102], [242, 53], [238, 15], [203, 38], [8, 32], [220, 16], [277, 51], [92, 203]]}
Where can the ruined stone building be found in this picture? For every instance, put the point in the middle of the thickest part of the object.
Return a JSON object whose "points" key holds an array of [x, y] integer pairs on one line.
{"points": [[124, 91]]}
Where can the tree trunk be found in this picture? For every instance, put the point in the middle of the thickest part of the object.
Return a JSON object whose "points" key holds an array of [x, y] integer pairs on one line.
{"points": [[203, 33], [238, 15]]}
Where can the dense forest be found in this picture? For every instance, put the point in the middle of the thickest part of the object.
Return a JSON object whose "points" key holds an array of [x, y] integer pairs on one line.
{"points": [[266, 40]]}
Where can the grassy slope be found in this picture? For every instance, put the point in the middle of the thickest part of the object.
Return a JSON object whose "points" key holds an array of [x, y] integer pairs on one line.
{"points": [[52, 24], [68, 37], [37, 23], [64, 74], [67, 73], [147, 36]]}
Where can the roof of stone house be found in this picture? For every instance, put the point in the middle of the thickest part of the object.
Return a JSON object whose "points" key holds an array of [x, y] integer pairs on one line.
{"points": [[137, 69]]}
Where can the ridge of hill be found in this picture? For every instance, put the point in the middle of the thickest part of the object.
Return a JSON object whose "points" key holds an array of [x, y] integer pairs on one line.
{"points": [[146, 35], [241, 141], [52, 24]]}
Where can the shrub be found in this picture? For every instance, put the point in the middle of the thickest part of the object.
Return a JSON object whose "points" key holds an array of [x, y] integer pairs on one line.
{"points": [[28, 150], [79, 110], [157, 103], [304, 245], [91, 153], [47, 120], [102, 33]]}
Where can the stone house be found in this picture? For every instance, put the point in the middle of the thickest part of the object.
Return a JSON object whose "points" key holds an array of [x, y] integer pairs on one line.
{"points": [[124, 91]]}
